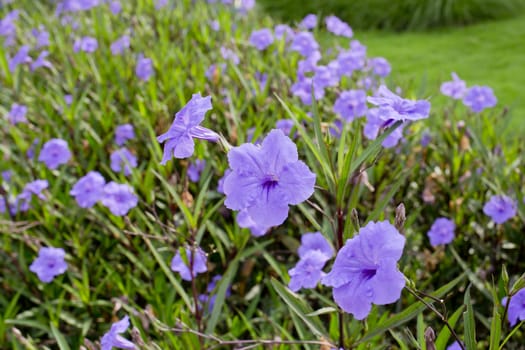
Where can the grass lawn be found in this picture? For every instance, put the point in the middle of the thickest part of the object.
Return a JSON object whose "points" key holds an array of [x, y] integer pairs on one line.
{"points": [[490, 53]]}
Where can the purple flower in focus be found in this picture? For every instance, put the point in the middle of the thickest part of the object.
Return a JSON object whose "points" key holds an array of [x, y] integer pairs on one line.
{"points": [[112, 338], [266, 180], [284, 31], [42, 37], [220, 184], [21, 57], [374, 123], [441, 232], [115, 7], [87, 44], [285, 125], [365, 269], [456, 88], [144, 68], [124, 133], [478, 98], [185, 127], [89, 189], [194, 257], [308, 271], [230, 55], [195, 169], [308, 22], [123, 159], [41, 61], [261, 39], [338, 27], [54, 153], [315, 242], [351, 104], [516, 310], [17, 114], [380, 66], [393, 107], [244, 220], [119, 198], [304, 43], [500, 208], [120, 45], [49, 263]]}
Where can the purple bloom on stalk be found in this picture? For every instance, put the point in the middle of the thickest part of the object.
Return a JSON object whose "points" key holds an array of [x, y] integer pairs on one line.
{"points": [[283, 30], [7, 25], [119, 198], [115, 7], [380, 66], [351, 104], [365, 269], [351, 60], [374, 123], [261, 39], [87, 44], [21, 57], [338, 27], [54, 153], [308, 22], [478, 98], [194, 256], [112, 338], [500, 208], [230, 55], [266, 180], [455, 88], [42, 37], [79, 5], [309, 64], [41, 61], [303, 89], [89, 189], [516, 309], [393, 107], [120, 45], [308, 271], [124, 133], [144, 68], [315, 242], [304, 43], [324, 77], [49, 263], [195, 169], [441, 232], [123, 159], [17, 114], [185, 127], [35, 188]]}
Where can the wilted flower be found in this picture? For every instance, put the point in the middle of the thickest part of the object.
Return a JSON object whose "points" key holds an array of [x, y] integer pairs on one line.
{"points": [[308, 271], [351, 104], [54, 153], [185, 127], [455, 88], [123, 159], [308, 22], [478, 98], [17, 114], [124, 133], [338, 27], [89, 189], [393, 107], [144, 68], [265, 180], [49, 263], [113, 338], [365, 269], [380, 66], [119, 198], [87, 44], [516, 309], [195, 169], [304, 43], [194, 257], [441, 232], [500, 208], [120, 45], [21, 57], [262, 38]]}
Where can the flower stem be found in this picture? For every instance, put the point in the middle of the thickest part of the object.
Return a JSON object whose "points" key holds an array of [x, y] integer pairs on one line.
{"points": [[339, 245]]}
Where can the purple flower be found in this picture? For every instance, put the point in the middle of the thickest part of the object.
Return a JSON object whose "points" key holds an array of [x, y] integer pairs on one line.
{"points": [[454, 346], [42, 37], [17, 114], [7, 175], [220, 184], [89, 189], [123, 159], [160, 4], [120, 45], [324, 77], [308, 271], [374, 123], [309, 64], [215, 25], [478, 98], [262, 79], [195, 169], [261, 39], [246, 5], [79, 5], [455, 88], [351, 104], [244, 220], [194, 256], [35, 188], [214, 70], [284, 31], [113, 338], [315, 242], [426, 138], [144, 68], [500, 208], [119, 198], [349, 61], [87, 44], [266, 180], [49, 263], [185, 127], [7, 25], [303, 89], [516, 309], [285, 125], [31, 150], [380, 66], [230, 55], [68, 99], [441, 232], [308, 22], [365, 269], [393, 107], [54, 153], [304, 43], [338, 27], [115, 7], [41, 61], [124, 133], [21, 57]]}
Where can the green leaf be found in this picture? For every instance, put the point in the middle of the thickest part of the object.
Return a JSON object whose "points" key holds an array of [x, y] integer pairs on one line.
{"points": [[59, 337], [495, 325], [469, 323], [471, 275]]}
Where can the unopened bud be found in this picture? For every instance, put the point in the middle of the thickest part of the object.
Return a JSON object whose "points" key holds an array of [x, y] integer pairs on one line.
{"points": [[400, 218], [430, 337]]}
